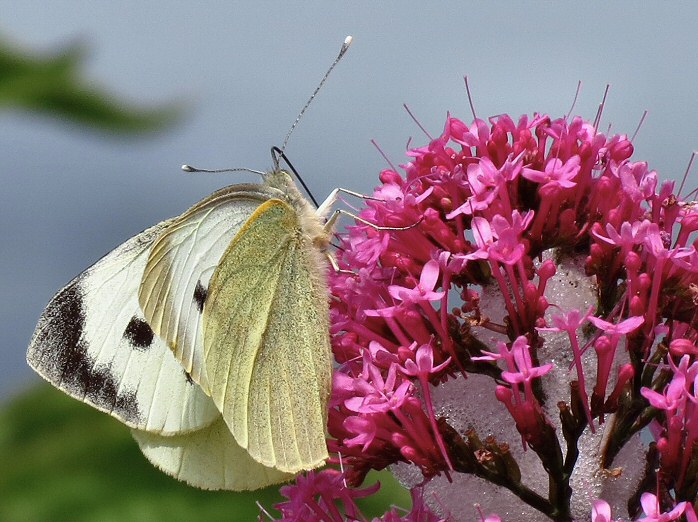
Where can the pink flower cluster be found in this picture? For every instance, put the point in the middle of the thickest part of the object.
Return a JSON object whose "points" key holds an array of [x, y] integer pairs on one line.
{"points": [[324, 496], [601, 511], [482, 204]]}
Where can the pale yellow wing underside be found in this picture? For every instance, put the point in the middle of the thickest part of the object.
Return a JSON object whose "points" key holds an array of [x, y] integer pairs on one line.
{"points": [[181, 262], [266, 340], [208, 459]]}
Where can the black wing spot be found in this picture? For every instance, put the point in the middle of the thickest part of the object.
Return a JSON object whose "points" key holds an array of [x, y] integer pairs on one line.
{"points": [[67, 362], [139, 333], [200, 294]]}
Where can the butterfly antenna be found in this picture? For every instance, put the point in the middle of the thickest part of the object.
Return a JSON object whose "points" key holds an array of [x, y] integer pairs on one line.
{"points": [[189, 168], [345, 46], [276, 155]]}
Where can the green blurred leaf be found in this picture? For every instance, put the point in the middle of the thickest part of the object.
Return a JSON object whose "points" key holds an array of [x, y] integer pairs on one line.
{"points": [[53, 85], [61, 460]]}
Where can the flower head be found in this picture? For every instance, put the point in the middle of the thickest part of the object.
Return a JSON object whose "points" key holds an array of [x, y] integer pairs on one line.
{"points": [[520, 245], [324, 496]]}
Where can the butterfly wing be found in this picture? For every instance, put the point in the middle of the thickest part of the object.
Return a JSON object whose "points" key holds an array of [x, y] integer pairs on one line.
{"points": [[93, 343], [208, 458], [266, 340], [180, 265]]}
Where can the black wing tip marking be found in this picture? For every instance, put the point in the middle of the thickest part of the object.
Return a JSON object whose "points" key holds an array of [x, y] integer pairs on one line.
{"points": [[200, 294], [59, 351], [139, 334]]}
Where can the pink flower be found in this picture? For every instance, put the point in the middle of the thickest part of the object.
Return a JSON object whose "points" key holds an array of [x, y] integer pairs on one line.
{"points": [[485, 181], [673, 397], [525, 370], [422, 369], [423, 366], [424, 291], [623, 327], [508, 248], [499, 208], [630, 234], [650, 506], [601, 511], [374, 393], [317, 497], [324, 496], [569, 322], [556, 173]]}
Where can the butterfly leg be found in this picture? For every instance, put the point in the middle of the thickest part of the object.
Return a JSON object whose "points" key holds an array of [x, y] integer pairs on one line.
{"points": [[323, 209], [329, 225]]}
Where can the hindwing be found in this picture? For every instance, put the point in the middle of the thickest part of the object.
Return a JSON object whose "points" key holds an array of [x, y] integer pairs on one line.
{"points": [[266, 340]]}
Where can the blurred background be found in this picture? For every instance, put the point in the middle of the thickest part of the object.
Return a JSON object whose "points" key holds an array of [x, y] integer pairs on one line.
{"points": [[100, 103]]}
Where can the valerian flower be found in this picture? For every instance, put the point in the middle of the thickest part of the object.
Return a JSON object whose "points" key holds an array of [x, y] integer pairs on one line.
{"points": [[654, 513], [513, 309], [601, 511], [324, 496]]}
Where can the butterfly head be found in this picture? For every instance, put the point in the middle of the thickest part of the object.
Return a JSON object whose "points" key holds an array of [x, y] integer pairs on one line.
{"points": [[280, 179], [284, 181]]}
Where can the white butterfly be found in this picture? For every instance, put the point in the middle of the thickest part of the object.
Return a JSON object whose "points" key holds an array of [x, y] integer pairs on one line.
{"points": [[95, 342], [208, 335]]}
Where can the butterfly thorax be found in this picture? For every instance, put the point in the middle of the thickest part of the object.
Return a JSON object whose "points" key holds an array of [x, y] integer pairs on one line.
{"points": [[312, 223]]}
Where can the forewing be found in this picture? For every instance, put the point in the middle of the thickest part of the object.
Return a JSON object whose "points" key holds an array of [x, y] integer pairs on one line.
{"points": [[208, 459], [93, 342], [267, 351], [180, 265]]}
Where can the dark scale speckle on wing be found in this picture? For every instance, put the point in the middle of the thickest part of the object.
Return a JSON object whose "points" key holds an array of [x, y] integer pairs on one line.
{"points": [[139, 334], [200, 294], [61, 355]]}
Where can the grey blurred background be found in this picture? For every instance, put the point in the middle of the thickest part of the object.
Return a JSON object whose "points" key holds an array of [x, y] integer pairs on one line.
{"points": [[242, 71]]}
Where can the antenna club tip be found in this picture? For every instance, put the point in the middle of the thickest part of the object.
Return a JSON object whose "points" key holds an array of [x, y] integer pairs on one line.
{"points": [[348, 40], [187, 168]]}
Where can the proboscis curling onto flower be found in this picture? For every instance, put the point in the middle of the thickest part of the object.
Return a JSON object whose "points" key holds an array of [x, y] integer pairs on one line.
{"points": [[535, 310]]}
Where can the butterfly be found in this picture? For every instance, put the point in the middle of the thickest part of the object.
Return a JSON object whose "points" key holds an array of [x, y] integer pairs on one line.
{"points": [[208, 335]]}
